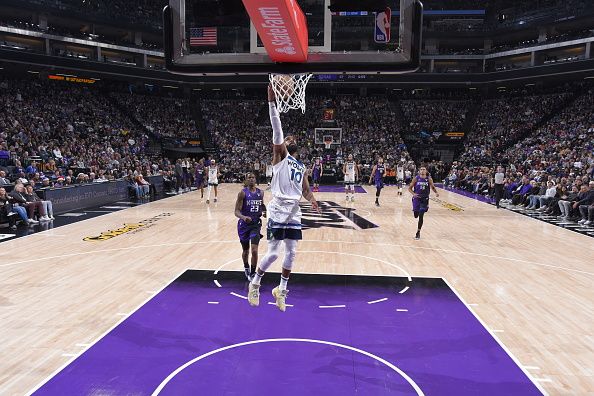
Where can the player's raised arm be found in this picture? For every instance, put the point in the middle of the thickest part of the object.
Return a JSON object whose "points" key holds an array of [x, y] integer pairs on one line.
{"points": [[307, 194], [279, 149]]}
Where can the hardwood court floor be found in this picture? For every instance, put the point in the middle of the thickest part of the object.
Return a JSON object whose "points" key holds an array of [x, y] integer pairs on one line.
{"points": [[529, 281]]}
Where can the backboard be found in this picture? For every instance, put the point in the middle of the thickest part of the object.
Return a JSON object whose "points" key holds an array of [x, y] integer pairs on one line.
{"points": [[217, 37]]}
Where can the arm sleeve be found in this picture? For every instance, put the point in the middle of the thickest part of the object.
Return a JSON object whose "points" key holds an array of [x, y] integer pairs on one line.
{"points": [[277, 129]]}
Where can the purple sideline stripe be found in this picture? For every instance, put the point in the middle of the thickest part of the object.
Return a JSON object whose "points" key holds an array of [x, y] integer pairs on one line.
{"points": [[438, 343], [340, 189], [478, 197]]}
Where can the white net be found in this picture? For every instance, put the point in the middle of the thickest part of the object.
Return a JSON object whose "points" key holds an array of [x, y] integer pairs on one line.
{"points": [[289, 91]]}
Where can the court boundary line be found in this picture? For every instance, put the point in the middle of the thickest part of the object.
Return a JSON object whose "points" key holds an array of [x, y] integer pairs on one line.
{"points": [[499, 342], [105, 214], [515, 212], [101, 336]]}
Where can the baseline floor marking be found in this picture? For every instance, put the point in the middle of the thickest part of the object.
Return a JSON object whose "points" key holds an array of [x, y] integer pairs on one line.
{"points": [[102, 335], [238, 295], [412, 383], [44, 259], [216, 282], [501, 344], [287, 305], [377, 301]]}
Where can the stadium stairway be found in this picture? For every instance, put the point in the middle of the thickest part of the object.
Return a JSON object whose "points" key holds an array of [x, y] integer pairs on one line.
{"points": [[205, 136], [471, 116], [409, 138], [154, 148]]}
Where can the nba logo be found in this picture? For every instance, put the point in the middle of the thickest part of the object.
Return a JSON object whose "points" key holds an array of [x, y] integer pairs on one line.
{"points": [[382, 26]]}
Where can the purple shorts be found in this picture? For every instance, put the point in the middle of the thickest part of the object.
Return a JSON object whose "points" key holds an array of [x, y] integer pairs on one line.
{"points": [[420, 204], [249, 231]]}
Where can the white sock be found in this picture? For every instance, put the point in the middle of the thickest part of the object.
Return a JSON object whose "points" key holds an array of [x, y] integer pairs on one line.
{"points": [[257, 279], [283, 283]]}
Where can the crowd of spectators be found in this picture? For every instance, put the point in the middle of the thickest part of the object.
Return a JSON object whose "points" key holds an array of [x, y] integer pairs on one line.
{"points": [[57, 135], [550, 171], [54, 135], [163, 116], [434, 115], [241, 129], [504, 120]]}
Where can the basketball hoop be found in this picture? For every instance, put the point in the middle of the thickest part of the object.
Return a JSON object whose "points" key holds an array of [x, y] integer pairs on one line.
{"points": [[289, 91], [328, 140]]}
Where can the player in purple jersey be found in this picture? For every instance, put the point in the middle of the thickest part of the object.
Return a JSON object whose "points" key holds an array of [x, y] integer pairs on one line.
{"points": [[249, 208], [377, 175], [316, 174], [419, 188], [199, 176]]}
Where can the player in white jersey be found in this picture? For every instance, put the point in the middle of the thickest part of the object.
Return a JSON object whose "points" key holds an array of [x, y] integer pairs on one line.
{"points": [[399, 177], [289, 184], [213, 180], [351, 174]]}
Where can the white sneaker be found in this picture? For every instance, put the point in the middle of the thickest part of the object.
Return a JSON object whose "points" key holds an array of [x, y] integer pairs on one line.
{"points": [[587, 223], [52, 217], [254, 295], [281, 298], [44, 218], [582, 221], [31, 221]]}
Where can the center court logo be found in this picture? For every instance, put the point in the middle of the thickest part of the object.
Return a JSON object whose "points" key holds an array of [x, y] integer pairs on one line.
{"points": [[127, 228], [334, 216]]}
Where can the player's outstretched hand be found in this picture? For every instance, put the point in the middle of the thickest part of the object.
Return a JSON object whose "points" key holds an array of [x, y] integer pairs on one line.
{"points": [[247, 219], [271, 97], [315, 206]]}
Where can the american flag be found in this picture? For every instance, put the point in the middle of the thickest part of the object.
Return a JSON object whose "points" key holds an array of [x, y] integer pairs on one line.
{"points": [[203, 36]]}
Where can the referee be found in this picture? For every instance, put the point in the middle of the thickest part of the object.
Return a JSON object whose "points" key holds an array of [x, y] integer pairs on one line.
{"points": [[499, 181]]}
